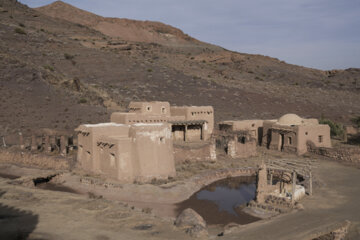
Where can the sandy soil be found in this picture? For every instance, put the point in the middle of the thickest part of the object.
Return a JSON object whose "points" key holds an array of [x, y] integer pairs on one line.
{"points": [[88, 216]]}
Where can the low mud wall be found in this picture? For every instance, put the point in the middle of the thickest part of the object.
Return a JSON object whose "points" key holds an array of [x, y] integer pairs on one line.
{"points": [[194, 153], [345, 154], [36, 160]]}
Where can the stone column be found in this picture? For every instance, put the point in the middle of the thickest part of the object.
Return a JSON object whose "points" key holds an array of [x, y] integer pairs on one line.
{"points": [[53, 142], [232, 148], [213, 150], [261, 184], [34, 145], [293, 186], [63, 145], [47, 144], [345, 136], [271, 177], [21, 141]]}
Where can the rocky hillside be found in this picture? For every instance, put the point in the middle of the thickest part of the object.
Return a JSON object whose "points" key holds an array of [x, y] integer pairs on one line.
{"points": [[129, 30], [57, 73]]}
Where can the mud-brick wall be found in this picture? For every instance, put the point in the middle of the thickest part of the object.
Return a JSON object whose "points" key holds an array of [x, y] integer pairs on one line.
{"points": [[194, 154], [36, 160], [347, 154]]}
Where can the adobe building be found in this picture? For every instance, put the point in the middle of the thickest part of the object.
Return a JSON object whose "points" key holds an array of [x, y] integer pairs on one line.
{"points": [[291, 133], [239, 138], [191, 126], [188, 123], [138, 152]]}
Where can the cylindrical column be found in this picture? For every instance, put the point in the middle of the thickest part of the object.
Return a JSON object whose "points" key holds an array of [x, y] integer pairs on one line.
{"points": [[34, 145], [47, 144], [63, 145], [21, 141], [271, 177]]}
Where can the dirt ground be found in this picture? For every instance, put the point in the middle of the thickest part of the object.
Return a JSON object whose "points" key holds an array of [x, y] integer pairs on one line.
{"points": [[43, 214]]}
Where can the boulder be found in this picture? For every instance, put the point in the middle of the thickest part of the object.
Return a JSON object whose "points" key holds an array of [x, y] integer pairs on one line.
{"points": [[189, 218], [193, 223], [197, 231]]}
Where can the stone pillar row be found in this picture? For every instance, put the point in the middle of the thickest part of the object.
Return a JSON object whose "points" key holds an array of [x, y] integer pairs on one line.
{"points": [[48, 142]]}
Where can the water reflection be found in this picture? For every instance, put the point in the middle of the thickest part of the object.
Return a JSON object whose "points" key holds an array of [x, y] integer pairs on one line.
{"points": [[221, 201]]}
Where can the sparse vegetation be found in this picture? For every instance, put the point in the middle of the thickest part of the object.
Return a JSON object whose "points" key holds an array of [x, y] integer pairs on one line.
{"points": [[336, 129], [20, 31], [50, 68], [21, 25], [149, 70], [82, 100], [68, 56]]}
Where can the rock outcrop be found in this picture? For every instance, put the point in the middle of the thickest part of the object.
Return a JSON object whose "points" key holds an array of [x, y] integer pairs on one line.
{"points": [[192, 222]]}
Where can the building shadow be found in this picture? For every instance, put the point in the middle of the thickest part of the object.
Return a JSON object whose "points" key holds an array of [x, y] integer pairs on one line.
{"points": [[16, 223]]}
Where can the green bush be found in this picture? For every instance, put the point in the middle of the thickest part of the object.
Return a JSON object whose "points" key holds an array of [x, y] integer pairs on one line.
{"points": [[20, 31], [336, 129], [356, 121]]}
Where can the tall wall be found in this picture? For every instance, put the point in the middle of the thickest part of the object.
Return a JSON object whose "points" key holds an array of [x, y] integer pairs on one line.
{"points": [[319, 135], [152, 151], [88, 135], [128, 152]]}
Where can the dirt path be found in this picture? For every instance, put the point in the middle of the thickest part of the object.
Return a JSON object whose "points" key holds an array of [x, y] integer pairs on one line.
{"points": [[336, 201], [43, 214]]}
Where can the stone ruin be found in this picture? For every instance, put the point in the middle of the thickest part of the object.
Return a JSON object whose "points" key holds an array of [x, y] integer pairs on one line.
{"points": [[48, 142], [281, 195]]}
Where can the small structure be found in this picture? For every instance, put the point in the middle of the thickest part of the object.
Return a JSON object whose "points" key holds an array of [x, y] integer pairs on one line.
{"points": [[188, 123], [137, 152], [291, 133], [239, 138], [285, 191]]}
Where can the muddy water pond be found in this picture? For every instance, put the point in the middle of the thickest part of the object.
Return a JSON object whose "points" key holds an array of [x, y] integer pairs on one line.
{"points": [[222, 201]]}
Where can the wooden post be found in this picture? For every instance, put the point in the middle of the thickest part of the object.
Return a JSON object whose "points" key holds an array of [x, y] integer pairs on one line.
{"points": [[21, 141], [202, 132], [185, 133], [293, 187], [34, 145], [310, 183]]}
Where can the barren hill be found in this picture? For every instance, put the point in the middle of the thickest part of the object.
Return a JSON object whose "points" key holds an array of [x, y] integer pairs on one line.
{"points": [[129, 30], [57, 73]]}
